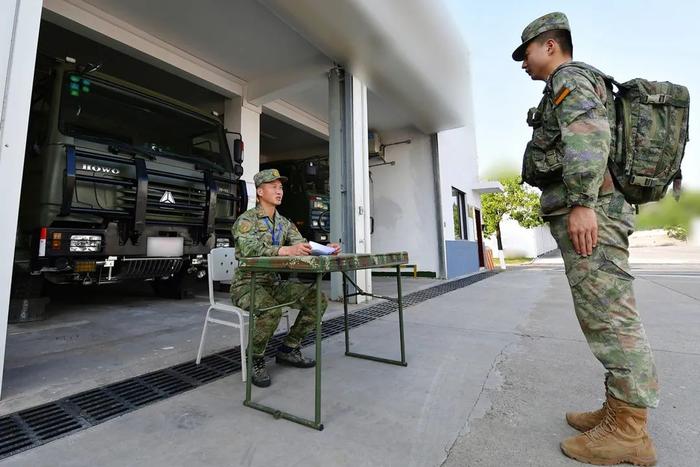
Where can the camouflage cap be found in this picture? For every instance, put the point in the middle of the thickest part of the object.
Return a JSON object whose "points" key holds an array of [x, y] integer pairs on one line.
{"points": [[548, 22], [266, 176]]}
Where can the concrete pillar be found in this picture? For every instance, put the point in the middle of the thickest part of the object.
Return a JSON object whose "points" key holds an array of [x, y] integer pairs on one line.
{"points": [[244, 118], [19, 34], [349, 173], [437, 186]]}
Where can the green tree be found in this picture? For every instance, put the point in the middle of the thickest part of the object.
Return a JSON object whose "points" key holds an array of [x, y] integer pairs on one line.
{"points": [[518, 201]]}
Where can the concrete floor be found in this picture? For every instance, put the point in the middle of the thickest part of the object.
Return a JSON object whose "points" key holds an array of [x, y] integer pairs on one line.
{"points": [[98, 335], [492, 369]]}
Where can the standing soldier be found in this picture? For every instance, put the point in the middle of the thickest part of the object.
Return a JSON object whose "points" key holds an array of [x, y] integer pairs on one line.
{"points": [[262, 231], [590, 220]]}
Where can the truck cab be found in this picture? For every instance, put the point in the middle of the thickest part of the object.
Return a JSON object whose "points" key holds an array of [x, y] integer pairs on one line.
{"points": [[119, 183]]}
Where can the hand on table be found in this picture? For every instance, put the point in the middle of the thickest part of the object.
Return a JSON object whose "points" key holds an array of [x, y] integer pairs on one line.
{"points": [[300, 249], [583, 230]]}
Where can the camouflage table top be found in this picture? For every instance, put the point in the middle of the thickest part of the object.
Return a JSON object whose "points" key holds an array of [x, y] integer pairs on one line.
{"points": [[318, 264]]}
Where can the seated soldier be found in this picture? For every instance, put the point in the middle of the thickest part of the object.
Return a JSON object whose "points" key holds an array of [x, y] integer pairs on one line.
{"points": [[262, 231]]}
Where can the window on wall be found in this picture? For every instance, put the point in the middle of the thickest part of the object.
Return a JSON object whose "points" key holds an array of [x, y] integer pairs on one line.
{"points": [[459, 214], [471, 231]]}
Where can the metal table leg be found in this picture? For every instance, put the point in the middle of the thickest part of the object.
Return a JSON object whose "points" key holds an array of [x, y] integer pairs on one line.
{"points": [[249, 348], [316, 423], [399, 300], [345, 314], [317, 412]]}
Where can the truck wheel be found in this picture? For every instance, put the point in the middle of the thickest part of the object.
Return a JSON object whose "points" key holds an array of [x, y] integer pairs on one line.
{"points": [[175, 287]]}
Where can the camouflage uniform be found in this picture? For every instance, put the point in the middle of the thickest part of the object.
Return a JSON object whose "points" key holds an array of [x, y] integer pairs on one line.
{"points": [[567, 159], [253, 236]]}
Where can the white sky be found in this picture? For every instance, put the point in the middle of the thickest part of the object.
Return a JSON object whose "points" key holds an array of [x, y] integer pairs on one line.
{"points": [[656, 40]]}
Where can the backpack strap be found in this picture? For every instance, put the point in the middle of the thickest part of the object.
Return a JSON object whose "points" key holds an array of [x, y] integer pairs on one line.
{"points": [[664, 99], [585, 66]]}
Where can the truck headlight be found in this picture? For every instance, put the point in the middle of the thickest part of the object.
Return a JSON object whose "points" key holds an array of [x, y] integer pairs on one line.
{"points": [[223, 242], [85, 243], [320, 205]]}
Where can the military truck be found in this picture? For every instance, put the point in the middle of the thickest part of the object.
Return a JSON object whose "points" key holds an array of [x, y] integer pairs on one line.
{"points": [[306, 196], [119, 183]]}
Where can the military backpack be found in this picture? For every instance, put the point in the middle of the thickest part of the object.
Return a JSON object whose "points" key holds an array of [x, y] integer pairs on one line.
{"points": [[651, 131]]}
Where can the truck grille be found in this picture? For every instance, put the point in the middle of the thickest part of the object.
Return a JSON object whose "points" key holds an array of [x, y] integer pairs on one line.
{"points": [[172, 198], [138, 268], [189, 205]]}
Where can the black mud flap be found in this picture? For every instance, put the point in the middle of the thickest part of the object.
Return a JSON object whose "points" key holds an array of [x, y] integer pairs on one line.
{"points": [[27, 300]]}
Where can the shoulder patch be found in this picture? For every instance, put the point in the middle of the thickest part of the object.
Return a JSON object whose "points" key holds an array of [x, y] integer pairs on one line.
{"points": [[565, 91], [244, 226]]}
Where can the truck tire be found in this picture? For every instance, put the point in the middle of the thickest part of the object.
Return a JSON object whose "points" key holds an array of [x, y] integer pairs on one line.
{"points": [[176, 287]]}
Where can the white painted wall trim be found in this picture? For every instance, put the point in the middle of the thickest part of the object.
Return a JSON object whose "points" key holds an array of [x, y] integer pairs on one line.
{"points": [[97, 24], [297, 117], [363, 238], [19, 33], [242, 117]]}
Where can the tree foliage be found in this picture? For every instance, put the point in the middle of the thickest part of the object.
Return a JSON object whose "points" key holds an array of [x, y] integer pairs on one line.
{"points": [[669, 213], [519, 202]]}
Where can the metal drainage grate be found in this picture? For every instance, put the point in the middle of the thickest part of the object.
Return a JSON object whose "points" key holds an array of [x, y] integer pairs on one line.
{"points": [[33, 427]]}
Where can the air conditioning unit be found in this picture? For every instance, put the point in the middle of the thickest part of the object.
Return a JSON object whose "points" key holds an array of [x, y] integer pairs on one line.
{"points": [[375, 145]]}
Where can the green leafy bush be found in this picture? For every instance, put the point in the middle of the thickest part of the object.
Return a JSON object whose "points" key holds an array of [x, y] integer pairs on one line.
{"points": [[677, 232], [670, 213]]}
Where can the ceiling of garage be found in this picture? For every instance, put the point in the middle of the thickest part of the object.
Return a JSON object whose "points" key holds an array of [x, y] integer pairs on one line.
{"points": [[241, 37], [254, 40], [278, 137]]}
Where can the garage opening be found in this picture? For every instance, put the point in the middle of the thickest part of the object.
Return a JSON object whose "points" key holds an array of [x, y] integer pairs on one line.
{"points": [[116, 216], [303, 158]]}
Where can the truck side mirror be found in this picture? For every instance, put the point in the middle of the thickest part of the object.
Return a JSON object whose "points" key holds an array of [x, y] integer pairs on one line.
{"points": [[237, 147], [238, 151]]}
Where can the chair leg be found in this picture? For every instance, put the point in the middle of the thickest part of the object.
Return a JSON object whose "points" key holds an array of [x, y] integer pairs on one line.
{"points": [[201, 341]]}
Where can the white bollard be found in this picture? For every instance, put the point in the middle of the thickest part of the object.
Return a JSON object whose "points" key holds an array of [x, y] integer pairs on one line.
{"points": [[695, 232], [502, 259]]}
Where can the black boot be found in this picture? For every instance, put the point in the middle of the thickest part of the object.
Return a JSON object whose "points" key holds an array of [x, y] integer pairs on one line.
{"points": [[292, 357], [260, 377]]}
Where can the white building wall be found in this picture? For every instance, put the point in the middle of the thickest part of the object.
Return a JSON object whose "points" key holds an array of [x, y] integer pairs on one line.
{"points": [[519, 242], [19, 30], [459, 169], [404, 200]]}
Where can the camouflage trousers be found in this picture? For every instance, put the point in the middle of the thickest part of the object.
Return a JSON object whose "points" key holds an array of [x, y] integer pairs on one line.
{"points": [[266, 322], [601, 286]]}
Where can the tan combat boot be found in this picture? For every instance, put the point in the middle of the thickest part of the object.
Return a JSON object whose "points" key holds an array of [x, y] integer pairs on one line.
{"points": [[584, 421], [621, 437]]}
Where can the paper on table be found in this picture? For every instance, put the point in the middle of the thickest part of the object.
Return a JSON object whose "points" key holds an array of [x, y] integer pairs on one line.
{"points": [[320, 250]]}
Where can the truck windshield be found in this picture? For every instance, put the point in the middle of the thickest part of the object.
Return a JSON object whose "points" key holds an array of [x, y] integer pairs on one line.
{"points": [[92, 108]]}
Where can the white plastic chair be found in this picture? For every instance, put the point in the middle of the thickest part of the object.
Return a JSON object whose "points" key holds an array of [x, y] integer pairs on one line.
{"points": [[221, 264]]}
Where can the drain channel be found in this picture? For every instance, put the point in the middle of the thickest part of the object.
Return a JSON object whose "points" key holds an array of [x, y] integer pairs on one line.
{"points": [[33, 427]]}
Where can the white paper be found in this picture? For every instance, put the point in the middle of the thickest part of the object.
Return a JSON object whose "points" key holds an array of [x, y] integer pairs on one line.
{"points": [[320, 250]]}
